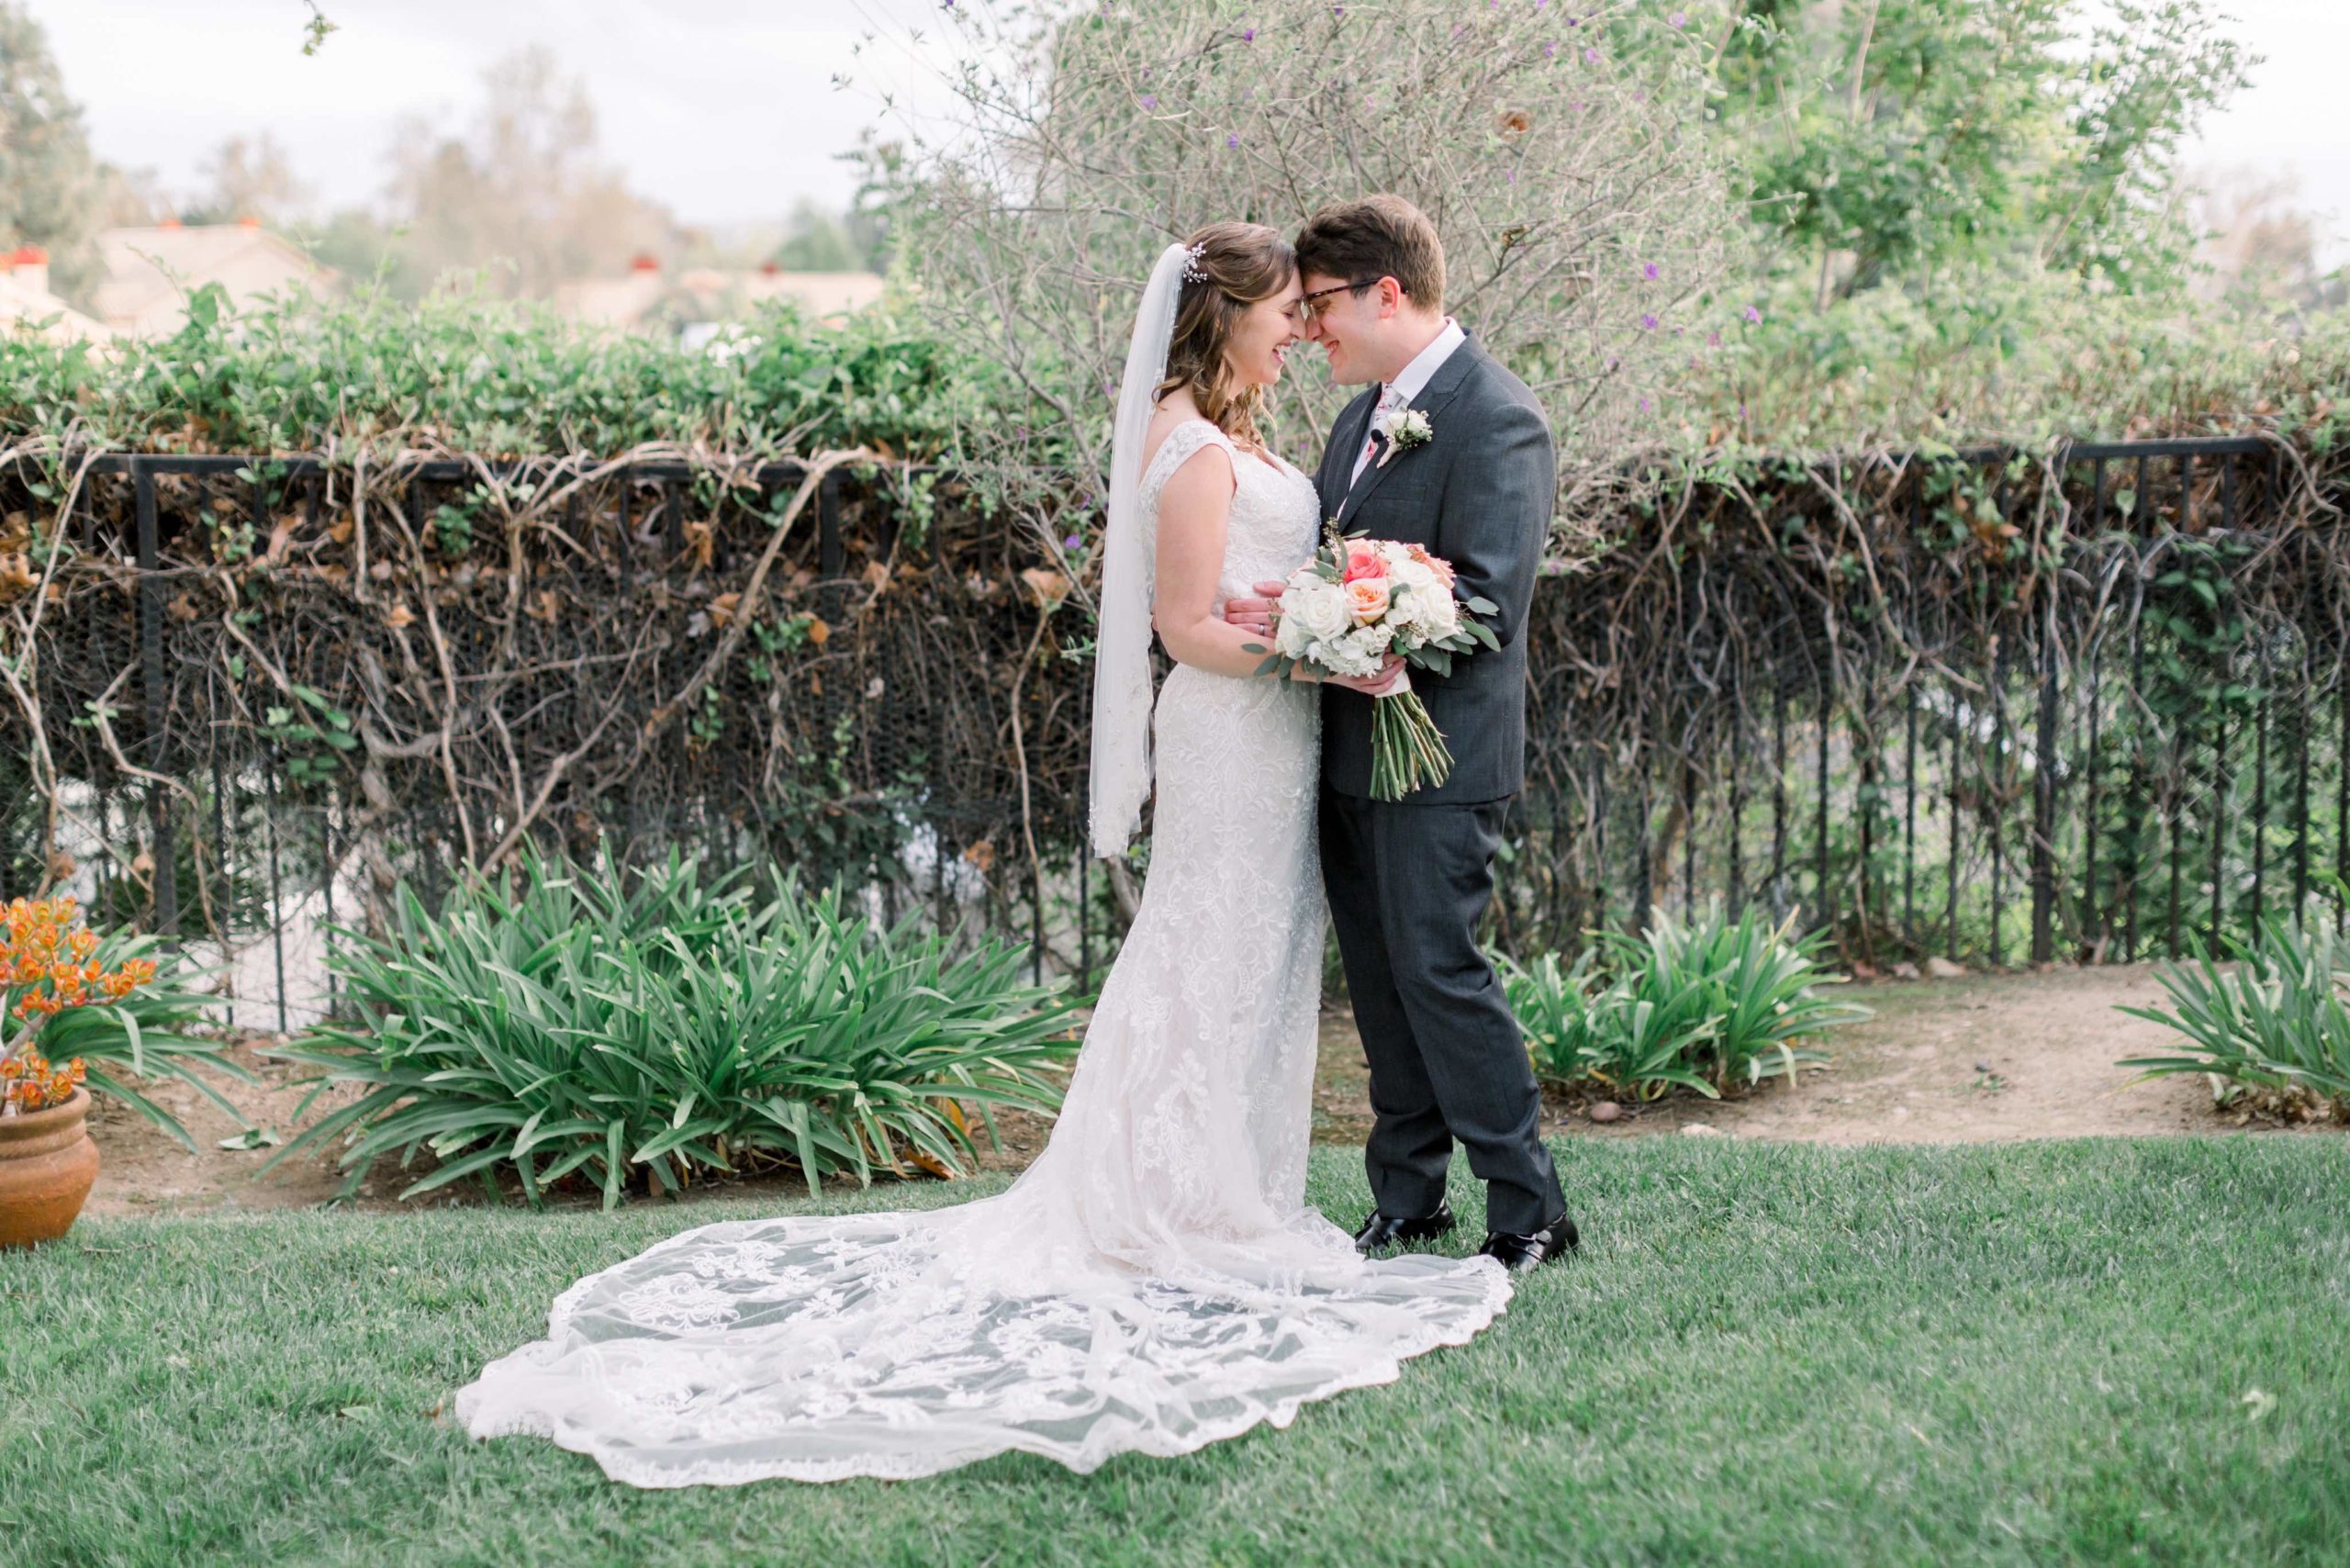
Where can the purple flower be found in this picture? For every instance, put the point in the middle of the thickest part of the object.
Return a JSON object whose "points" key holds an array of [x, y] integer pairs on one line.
{"points": [[1648, 323], [1612, 362], [1713, 340], [1644, 405], [1247, 35], [1549, 52], [1679, 18], [1150, 100], [1458, 28], [1511, 176], [1639, 95], [1591, 57], [1752, 314], [1233, 140], [1072, 542], [1651, 272], [1338, 11]]}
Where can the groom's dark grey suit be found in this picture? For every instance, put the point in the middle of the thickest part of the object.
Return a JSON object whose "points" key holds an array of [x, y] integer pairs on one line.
{"points": [[1409, 880]]}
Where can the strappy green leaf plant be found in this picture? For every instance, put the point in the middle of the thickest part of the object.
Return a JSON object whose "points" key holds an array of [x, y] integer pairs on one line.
{"points": [[2274, 1026], [1708, 1004], [644, 1028]]}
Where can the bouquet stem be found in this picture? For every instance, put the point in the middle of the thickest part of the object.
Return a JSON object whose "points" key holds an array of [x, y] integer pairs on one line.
{"points": [[1407, 751]]}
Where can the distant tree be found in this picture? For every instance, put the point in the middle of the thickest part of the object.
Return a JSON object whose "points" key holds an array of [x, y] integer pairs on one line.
{"points": [[127, 198], [48, 178], [247, 178], [882, 183], [523, 193], [817, 240], [2259, 243], [353, 240]]}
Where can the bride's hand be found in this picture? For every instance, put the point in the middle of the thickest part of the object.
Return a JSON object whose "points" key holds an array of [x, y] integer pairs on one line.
{"points": [[1256, 614], [1390, 678]]}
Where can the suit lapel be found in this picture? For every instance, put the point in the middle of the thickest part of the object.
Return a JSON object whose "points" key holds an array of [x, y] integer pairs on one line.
{"points": [[1442, 387]]}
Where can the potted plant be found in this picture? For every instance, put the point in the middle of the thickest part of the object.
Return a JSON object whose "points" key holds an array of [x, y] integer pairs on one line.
{"points": [[50, 965]]}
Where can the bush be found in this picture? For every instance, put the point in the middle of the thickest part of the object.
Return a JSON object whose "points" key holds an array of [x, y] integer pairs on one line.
{"points": [[1709, 1004], [461, 373], [609, 1022], [2274, 1029]]}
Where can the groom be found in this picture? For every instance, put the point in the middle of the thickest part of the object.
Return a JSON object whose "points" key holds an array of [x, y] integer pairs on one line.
{"points": [[1408, 879]]}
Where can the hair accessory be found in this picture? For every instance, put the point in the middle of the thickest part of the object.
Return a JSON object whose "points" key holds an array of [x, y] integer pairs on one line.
{"points": [[1191, 254]]}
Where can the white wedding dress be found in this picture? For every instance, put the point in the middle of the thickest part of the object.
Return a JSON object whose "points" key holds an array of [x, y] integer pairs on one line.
{"points": [[1153, 1283]]}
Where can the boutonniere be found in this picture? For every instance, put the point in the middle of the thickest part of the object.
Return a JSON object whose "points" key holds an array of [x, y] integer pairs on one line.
{"points": [[1405, 429]]}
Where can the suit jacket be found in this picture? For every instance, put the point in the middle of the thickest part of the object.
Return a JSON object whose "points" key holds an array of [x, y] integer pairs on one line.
{"points": [[1479, 494]]}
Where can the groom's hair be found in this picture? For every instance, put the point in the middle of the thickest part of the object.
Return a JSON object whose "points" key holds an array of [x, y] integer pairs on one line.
{"points": [[1379, 236]]}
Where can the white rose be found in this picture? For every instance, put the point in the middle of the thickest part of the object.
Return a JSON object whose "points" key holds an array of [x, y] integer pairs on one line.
{"points": [[1291, 637], [1437, 612], [1318, 606]]}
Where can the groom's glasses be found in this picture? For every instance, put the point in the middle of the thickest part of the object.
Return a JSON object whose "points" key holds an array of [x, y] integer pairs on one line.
{"points": [[1307, 310]]}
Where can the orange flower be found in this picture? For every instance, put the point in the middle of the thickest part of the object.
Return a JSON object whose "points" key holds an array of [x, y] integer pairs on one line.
{"points": [[1367, 599]]}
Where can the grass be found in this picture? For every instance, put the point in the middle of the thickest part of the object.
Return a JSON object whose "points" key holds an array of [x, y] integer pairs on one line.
{"points": [[2027, 1353]]}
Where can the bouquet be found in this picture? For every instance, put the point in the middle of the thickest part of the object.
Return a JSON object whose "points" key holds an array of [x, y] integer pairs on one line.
{"points": [[1360, 600]]}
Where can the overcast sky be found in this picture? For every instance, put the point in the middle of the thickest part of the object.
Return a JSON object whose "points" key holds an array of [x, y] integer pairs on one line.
{"points": [[724, 110]]}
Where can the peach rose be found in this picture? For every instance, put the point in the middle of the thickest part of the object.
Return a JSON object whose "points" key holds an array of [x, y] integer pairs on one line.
{"points": [[1364, 561], [1441, 567], [1367, 599]]}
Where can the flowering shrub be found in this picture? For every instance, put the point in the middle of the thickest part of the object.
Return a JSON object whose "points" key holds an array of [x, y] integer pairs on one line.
{"points": [[1561, 149], [50, 964]]}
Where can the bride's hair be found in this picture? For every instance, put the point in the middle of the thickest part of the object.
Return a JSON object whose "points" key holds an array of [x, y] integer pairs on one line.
{"points": [[1239, 264]]}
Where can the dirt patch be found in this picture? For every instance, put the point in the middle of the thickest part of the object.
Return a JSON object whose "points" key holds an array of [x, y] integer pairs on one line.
{"points": [[1984, 1059], [1981, 1059]]}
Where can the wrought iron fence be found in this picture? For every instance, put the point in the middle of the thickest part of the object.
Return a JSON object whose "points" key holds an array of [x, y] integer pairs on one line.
{"points": [[1969, 705]]}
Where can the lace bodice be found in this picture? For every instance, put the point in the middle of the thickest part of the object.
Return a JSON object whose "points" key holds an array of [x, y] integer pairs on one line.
{"points": [[1275, 511]]}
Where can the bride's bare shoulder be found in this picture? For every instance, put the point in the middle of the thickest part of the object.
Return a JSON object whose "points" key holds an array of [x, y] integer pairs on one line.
{"points": [[1176, 408]]}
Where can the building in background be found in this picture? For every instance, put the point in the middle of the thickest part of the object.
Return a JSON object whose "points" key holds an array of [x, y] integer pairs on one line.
{"points": [[151, 271], [26, 305], [692, 303]]}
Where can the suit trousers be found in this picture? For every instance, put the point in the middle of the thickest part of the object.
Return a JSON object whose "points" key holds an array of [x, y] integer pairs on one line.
{"points": [[1408, 885]]}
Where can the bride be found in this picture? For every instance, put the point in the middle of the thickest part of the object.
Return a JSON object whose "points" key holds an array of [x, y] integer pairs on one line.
{"points": [[1156, 1280]]}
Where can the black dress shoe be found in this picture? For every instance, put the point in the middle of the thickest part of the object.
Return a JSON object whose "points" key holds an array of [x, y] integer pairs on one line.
{"points": [[1523, 1254], [1383, 1231]]}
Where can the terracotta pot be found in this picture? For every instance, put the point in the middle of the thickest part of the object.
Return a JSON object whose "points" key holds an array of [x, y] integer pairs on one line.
{"points": [[46, 1164]]}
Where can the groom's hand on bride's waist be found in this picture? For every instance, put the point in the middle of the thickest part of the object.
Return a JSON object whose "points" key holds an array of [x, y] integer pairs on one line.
{"points": [[1256, 614]]}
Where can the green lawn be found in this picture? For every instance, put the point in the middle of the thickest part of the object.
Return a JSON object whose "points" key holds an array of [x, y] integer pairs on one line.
{"points": [[2027, 1353]]}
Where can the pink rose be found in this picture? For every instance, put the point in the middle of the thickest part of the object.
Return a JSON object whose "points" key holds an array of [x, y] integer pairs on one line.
{"points": [[1363, 561], [1367, 599]]}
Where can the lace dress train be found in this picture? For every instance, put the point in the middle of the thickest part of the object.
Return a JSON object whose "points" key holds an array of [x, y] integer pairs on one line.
{"points": [[1153, 1283]]}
